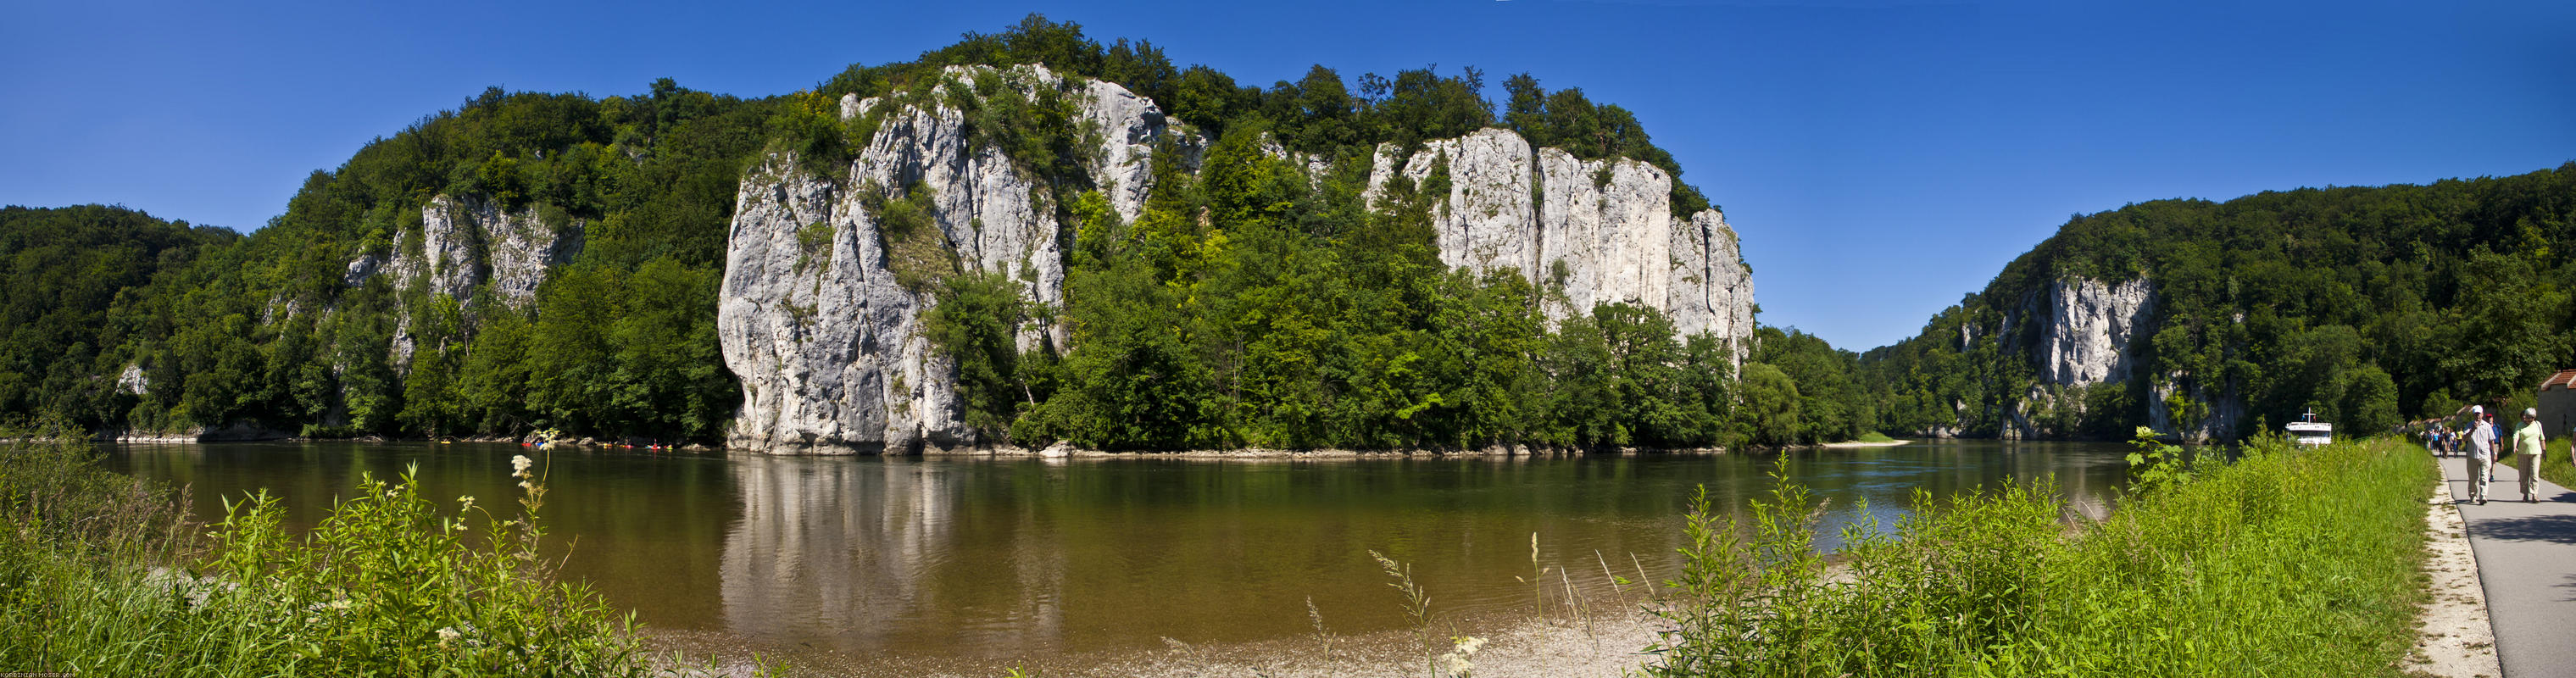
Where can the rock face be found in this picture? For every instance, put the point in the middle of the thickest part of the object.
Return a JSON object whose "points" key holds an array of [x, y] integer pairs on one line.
{"points": [[2091, 330], [826, 341], [465, 244], [1598, 231], [828, 344]]}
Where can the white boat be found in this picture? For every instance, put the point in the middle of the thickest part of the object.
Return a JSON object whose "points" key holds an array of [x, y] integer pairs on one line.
{"points": [[2310, 432]]}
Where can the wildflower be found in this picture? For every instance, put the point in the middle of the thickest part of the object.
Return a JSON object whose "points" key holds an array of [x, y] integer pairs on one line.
{"points": [[528, 485], [1456, 663], [519, 465], [447, 634], [467, 501]]}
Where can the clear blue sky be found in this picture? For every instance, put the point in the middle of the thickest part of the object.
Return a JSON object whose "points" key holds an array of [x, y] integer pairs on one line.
{"points": [[1880, 159]]}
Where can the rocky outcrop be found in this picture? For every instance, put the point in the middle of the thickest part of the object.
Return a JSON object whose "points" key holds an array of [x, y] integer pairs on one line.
{"points": [[1712, 289], [133, 381], [468, 242], [465, 244], [1593, 231], [813, 317], [2091, 330]]}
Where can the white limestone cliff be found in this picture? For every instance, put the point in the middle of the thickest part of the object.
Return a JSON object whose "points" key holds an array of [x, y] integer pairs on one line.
{"points": [[2093, 329], [465, 244], [1605, 225], [827, 344]]}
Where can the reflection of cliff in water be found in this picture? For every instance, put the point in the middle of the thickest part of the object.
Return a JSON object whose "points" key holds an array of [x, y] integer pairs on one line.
{"points": [[857, 555]]}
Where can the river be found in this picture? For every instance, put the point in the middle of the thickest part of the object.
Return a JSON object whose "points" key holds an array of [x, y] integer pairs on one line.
{"points": [[998, 558]]}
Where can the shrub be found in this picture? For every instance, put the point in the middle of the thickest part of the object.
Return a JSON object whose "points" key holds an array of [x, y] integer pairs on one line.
{"points": [[99, 576]]}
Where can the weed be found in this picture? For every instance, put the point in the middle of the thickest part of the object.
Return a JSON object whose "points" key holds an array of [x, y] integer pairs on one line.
{"points": [[1416, 604]]}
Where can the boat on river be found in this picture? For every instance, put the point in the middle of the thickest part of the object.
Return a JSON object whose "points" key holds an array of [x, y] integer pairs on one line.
{"points": [[2310, 432]]}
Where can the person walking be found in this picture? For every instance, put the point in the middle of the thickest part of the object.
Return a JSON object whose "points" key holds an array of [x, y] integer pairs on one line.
{"points": [[2481, 454], [2527, 443]]}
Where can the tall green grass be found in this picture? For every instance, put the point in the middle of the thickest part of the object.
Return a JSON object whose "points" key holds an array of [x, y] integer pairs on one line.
{"points": [[100, 576], [2286, 562]]}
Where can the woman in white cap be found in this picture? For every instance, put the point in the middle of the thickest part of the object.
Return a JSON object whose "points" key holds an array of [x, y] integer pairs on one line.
{"points": [[2482, 441], [2526, 453]]}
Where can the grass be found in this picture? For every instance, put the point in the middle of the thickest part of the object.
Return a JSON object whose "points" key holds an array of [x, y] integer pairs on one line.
{"points": [[2286, 562], [101, 575], [1874, 437]]}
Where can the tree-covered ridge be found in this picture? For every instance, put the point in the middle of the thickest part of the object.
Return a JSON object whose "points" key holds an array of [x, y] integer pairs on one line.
{"points": [[280, 329], [2364, 304], [73, 283], [1251, 304]]}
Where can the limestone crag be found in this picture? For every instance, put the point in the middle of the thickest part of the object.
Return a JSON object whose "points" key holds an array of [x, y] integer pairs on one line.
{"points": [[825, 339], [2092, 328], [465, 244], [1597, 231], [1712, 289], [826, 343]]}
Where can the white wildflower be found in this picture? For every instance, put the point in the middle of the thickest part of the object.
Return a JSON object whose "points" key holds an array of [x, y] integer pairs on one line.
{"points": [[467, 501], [448, 634], [1456, 663], [519, 465]]}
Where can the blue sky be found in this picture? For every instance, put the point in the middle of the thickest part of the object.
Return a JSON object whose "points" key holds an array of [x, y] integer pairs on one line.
{"points": [[1879, 159]]}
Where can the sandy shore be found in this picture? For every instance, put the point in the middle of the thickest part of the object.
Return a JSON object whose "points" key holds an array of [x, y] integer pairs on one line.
{"points": [[1856, 443], [1605, 647]]}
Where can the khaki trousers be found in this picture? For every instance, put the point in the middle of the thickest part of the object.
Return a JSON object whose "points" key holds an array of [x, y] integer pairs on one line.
{"points": [[2478, 476], [2529, 465]]}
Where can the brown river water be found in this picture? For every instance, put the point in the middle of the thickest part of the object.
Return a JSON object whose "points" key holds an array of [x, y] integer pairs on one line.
{"points": [[998, 558]]}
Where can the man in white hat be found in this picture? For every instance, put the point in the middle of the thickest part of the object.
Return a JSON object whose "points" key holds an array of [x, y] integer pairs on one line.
{"points": [[2526, 453], [2482, 439]]}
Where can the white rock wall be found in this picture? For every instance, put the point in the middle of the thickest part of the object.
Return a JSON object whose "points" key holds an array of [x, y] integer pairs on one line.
{"points": [[467, 243], [831, 355], [1609, 222], [2092, 330]]}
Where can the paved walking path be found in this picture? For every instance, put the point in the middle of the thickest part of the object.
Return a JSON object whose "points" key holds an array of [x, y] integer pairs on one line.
{"points": [[2527, 560]]}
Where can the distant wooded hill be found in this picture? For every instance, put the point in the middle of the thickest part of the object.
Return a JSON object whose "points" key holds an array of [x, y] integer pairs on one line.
{"points": [[2365, 305]]}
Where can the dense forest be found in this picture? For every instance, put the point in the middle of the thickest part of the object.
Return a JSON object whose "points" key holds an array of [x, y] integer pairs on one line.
{"points": [[1250, 304], [2367, 306]]}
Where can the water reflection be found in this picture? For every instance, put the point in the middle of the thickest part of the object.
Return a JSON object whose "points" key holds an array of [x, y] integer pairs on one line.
{"points": [[1006, 558]]}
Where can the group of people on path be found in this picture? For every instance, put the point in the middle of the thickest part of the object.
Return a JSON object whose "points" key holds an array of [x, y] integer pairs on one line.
{"points": [[2485, 448]]}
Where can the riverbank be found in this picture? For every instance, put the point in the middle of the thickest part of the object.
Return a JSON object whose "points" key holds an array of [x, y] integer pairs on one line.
{"points": [[1609, 646], [1867, 443]]}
